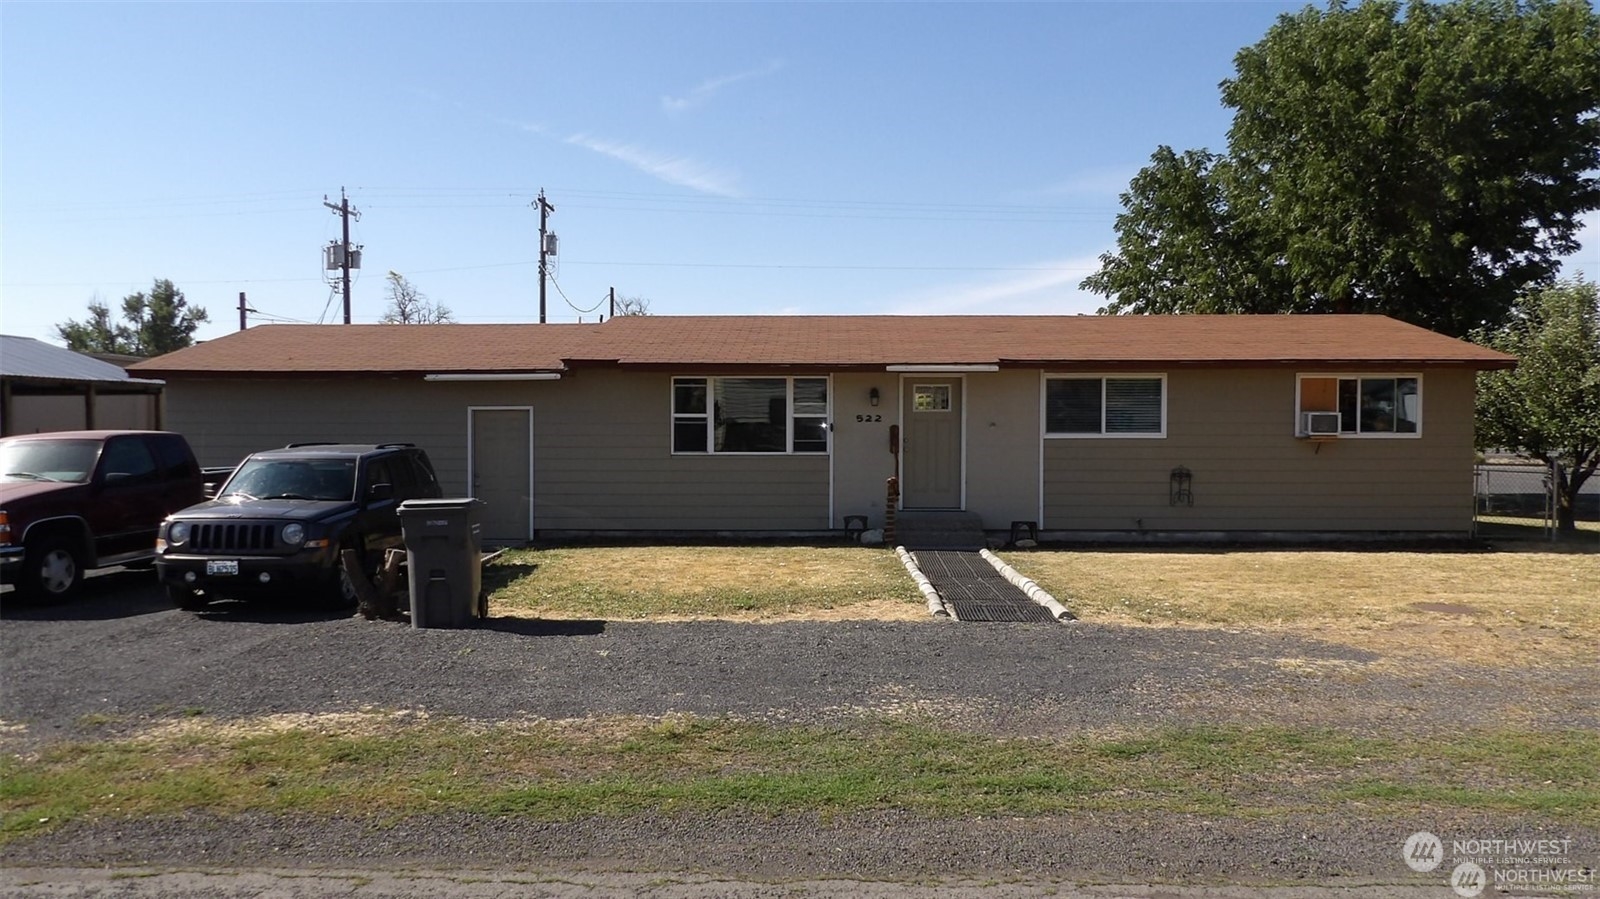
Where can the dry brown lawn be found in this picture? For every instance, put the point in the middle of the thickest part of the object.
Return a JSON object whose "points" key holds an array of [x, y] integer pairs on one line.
{"points": [[746, 583], [1498, 608]]}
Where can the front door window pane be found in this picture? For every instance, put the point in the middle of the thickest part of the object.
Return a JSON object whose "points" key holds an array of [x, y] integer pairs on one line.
{"points": [[931, 398]]}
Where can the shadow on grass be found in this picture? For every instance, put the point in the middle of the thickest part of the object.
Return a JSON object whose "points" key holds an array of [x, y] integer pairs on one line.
{"points": [[499, 575]]}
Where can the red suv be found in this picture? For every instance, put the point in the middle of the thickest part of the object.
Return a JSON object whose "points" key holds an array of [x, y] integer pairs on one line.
{"points": [[71, 501]]}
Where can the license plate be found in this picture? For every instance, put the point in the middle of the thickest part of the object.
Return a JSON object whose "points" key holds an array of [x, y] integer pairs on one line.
{"points": [[222, 566]]}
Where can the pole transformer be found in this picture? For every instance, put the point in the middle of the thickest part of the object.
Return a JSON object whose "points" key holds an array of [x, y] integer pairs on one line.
{"points": [[344, 212]]}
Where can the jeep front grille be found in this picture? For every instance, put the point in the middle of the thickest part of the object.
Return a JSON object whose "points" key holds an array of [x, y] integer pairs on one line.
{"points": [[233, 537]]}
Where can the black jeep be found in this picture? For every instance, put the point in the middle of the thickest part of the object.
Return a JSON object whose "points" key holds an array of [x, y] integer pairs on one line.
{"points": [[278, 525]]}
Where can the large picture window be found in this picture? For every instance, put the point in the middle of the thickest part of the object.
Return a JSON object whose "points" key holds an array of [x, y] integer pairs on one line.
{"points": [[749, 415], [1366, 404], [1111, 406]]}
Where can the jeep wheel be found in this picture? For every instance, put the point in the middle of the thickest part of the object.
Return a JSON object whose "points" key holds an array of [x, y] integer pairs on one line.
{"points": [[341, 593], [186, 598], [53, 569]]}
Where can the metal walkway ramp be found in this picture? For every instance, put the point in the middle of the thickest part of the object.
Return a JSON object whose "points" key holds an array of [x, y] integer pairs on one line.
{"points": [[973, 591]]}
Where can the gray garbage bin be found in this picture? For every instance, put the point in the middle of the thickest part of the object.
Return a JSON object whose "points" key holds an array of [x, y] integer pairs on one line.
{"points": [[444, 558]]}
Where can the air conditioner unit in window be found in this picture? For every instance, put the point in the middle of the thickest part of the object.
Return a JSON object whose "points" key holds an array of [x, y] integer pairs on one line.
{"points": [[1320, 424]]}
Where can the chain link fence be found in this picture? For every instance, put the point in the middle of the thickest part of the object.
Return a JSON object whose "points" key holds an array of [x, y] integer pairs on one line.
{"points": [[1518, 499], [1512, 500]]}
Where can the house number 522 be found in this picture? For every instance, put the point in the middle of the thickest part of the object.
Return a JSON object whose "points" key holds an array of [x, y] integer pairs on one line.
{"points": [[869, 418]]}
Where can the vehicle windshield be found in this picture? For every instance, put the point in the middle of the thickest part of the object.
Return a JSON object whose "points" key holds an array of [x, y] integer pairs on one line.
{"points": [[323, 479], [49, 460]]}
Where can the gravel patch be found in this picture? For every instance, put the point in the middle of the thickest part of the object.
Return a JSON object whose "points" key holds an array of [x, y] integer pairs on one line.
{"points": [[121, 660]]}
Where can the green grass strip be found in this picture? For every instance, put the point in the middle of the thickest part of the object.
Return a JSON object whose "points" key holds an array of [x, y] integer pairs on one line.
{"points": [[621, 767]]}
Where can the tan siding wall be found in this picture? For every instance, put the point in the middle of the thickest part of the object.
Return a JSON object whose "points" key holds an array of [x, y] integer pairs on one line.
{"points": [[602, 457], [863, 463], [1003, 447], [603, 460], [1234, 431]]}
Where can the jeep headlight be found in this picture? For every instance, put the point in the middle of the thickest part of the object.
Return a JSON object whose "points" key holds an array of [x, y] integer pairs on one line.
{"points": [[178, 533], [294, 533]]}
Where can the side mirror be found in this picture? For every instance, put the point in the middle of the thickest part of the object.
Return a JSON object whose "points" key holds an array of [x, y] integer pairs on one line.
{"points": [[380, 492]]}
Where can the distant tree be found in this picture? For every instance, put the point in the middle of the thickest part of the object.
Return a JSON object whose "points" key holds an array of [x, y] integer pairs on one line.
{"points": [[410, 306], [1425, 161], [633, 306], [162, 320], [1548, 407], [152, 324], [97, 333]]}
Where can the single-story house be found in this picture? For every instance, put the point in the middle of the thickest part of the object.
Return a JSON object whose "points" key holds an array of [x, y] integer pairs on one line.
{"points": [[1086, 425], [50, 388]]}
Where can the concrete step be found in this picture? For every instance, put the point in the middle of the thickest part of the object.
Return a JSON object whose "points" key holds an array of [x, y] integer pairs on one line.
{"points": [[939, 530]]}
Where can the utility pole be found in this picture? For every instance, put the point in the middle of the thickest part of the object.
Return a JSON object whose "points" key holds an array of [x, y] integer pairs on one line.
{"points": [[242, 310], [344, 212], [544, 246], [613, 302]]}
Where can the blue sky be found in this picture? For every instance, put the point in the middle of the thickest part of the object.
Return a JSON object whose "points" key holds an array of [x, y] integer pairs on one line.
{"points": [[713, 158]]}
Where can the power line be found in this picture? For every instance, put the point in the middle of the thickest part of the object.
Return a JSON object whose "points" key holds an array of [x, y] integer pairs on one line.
{"points": [[572, 304], [618, 264]]}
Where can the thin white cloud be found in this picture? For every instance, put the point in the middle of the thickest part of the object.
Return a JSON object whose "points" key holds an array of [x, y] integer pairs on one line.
{"points": [[1105, 181], [679, 170], [708, 88], [1051, 290]]}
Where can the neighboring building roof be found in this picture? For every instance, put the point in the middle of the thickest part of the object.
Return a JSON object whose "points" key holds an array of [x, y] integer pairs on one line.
{"points": [[385, 349], [35, 360], [687, 343]]}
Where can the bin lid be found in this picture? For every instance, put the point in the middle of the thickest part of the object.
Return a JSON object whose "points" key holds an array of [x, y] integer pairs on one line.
{"points": [[439, 505]]}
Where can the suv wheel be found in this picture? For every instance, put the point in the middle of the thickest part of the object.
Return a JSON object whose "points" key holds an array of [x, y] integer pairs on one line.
{"points": [[343, 593], [54, 568]]}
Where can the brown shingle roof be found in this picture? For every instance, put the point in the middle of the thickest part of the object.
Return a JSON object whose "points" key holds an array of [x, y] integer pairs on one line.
{"points": [[830, 342]]}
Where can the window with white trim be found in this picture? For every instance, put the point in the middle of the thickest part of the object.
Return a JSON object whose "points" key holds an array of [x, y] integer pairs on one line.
{"points": [[749, 415], [1367, 405], [1105, 406]]}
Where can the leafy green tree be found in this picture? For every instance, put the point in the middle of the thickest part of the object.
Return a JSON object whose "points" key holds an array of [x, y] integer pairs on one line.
{"points": [[1425, 161], [1548, 407], [152, 324]]}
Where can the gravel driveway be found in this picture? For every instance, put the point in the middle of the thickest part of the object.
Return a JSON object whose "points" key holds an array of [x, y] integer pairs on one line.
{"points": [[120, 660]]}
